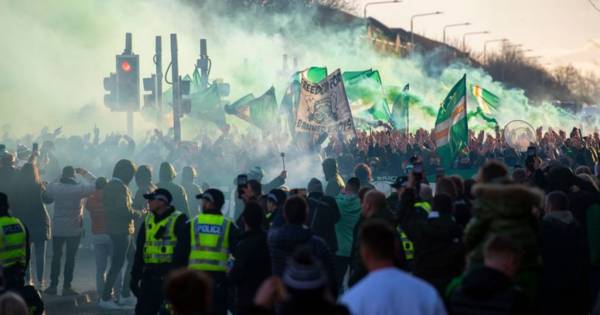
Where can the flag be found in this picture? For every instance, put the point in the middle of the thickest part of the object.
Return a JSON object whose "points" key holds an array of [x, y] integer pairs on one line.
{"points": [[206, 104], [312, 74], [264, 110], [323, 108], [366, 97], [399, 117], [488, 105], [240, 107], [261, 111], [488, 102], [451, 130]]}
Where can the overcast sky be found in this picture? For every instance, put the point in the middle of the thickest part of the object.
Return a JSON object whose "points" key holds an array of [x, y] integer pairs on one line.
{"points": [[560, 31]]}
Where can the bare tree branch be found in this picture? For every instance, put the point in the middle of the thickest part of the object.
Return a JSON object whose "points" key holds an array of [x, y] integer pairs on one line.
{"points": [[595, 5]]}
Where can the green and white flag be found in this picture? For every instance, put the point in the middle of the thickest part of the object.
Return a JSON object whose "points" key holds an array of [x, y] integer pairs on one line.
{"points": [[366, 96], [451, 129], [399, 118], [488, 102], [488, 105], [261, 111]]}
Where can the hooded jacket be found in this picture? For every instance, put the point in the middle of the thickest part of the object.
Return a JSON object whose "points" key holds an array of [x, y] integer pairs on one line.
{"points": [[504, 210], [565, 273], [286, 239], [117, 200], [166, 176], [439, 252], [350, 209], [487, 291], [335, 183]]}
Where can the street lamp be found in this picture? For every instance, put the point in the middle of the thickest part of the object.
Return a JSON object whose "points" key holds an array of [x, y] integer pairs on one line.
{"points": [[453, 25], [491, 41], [412, 18], [470, 34], [377, 2]]}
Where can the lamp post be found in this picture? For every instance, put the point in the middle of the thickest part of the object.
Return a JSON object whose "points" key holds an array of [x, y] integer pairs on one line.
{"points": [[490, 41], [464, 43], [453, 25], [412, 18], [375, 3]]}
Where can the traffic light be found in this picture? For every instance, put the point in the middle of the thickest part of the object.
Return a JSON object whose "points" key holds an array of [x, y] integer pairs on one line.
{"points": [[186, 100], [150, 86], [128, 83], [110, 85]]}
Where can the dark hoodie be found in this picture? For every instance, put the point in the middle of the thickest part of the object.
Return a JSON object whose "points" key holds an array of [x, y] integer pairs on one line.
{"points": [[487, 291], [439, 252], [166, 176], [284, 240]]}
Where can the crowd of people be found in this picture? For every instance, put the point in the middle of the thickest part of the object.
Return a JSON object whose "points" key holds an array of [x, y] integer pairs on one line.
{"points": [[520, 237]]}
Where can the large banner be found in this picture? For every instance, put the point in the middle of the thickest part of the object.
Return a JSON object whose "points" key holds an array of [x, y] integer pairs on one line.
{"points": [[323, 108]]}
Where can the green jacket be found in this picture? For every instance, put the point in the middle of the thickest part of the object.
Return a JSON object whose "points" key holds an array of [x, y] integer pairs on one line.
{"points": [[504, 210], [349, 206], [117, 203]]}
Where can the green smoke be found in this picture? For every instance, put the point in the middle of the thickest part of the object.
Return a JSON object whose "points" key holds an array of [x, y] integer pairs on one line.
{"points": [[56, 53]]}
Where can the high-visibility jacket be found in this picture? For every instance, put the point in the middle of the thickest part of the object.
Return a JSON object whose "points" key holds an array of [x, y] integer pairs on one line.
{"points": [[423, 205], [160, 239], [13, 242], [210, 242], [407, 245]]}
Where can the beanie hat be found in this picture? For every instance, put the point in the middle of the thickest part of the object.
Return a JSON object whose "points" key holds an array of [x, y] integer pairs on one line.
{"points": [[304, 272], [256, 173], [315, 185]]}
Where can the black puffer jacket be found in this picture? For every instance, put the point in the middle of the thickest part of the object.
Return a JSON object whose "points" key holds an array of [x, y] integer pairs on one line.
{"points": [[322, 216], [439, 252], [285, 240]]}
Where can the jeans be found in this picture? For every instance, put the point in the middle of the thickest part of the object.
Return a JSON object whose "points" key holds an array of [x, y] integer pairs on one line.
{"points": [[341, 267], [58, 243], [39, 251], [103, 250], [120, 243], [126, 291]]}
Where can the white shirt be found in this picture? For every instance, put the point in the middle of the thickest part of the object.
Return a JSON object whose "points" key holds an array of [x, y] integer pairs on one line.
{"points": [[390, 291]]}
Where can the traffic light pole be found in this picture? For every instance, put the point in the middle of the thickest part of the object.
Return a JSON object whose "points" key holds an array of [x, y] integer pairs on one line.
{"points": [[129, 112], [159, 77], [176, 92]]}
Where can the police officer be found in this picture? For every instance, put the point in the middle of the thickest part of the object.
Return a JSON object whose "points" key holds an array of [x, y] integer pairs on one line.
{"points": [[212, 238], [14, 258], [14, 247], [163, 244]]}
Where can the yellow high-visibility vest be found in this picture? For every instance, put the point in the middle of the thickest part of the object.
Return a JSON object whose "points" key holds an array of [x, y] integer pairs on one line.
{"points": [[210, 242], [159, 249], [423, 205], [407, 245], [13, 242]]}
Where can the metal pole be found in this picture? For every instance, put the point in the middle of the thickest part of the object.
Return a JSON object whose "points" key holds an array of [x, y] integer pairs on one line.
{"points": [[127, 44], [128, 51], [159, 77], [453, 25], [490, 41], [176, 92], [130, 123], [204, 64], [412, 34]]}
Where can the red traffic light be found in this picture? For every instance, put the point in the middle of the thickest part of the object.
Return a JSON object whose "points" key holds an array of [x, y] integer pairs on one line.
{"points": [[126, 66]]}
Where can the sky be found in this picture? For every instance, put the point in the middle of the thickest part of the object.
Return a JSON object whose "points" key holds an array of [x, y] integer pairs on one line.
{"points": [[561, 32]]}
